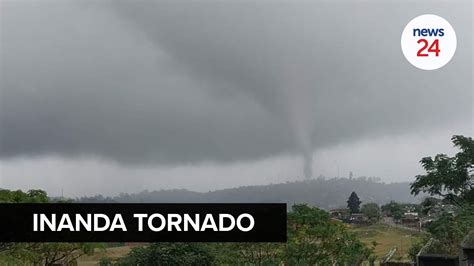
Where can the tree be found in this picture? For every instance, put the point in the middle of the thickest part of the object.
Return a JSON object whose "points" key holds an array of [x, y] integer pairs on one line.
{"points": [[37, 196], [453, 179], [258, 253], [449, 177], [40, 253], [61, 253], [354, 203], [372, 211], [415, 248], [315, 239], [18, 196], [393, 209], [428, 204], [169, 254]]}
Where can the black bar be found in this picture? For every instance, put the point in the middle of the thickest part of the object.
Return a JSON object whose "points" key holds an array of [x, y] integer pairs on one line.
{"points": [[16, 222]]}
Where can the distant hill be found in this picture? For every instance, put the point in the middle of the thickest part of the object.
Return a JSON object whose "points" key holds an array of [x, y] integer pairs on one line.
{"points": [[323, 193]]}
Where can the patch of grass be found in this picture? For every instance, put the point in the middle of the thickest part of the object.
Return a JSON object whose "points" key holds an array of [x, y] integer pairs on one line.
{"points": [[387, 237]]}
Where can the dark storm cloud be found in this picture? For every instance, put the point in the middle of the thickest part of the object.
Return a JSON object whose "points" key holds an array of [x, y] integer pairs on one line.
{"points": [[177, 82]]}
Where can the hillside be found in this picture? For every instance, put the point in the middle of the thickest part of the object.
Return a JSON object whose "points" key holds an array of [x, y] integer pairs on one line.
{"points": [[324, 193]]}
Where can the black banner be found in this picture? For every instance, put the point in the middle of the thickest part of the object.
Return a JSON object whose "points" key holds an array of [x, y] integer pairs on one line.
{"points": [[77, 222]]}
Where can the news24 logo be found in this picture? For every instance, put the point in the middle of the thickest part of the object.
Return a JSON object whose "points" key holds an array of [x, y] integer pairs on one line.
{"points": [[428, 42]]}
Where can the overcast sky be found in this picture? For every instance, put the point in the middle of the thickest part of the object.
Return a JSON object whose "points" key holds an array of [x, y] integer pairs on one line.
{"points": [[120, 96]]}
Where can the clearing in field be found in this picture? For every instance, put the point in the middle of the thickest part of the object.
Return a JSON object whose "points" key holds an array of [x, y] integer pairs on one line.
{"points": [[388, 237]]}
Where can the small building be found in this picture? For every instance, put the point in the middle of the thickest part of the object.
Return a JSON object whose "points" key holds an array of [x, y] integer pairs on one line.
{"points": [[411, 219], [340, 214], [441, 208], [359, 218], [410, 216]]}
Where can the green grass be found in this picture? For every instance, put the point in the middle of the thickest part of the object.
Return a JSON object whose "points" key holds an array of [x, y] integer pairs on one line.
{"points": [[387, 237]]}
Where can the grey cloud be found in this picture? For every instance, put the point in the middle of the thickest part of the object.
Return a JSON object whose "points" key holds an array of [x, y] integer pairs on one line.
{"points": [[177, 82]]}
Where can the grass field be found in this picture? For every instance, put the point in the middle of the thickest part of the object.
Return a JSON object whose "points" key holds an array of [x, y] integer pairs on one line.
{"points": [[388, 237]]}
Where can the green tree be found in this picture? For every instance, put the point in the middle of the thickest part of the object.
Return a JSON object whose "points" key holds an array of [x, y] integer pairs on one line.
{"points": [[61, 253], [394, 209], [47, 253], [415, 248], [18, 196], [37, 196], [372, 211], [453, 179], [228, 253], [450, 229], [259, 253], [169, 254], [428, 203], [353, 203], [449, 177], [39, 253], [315, 239]]}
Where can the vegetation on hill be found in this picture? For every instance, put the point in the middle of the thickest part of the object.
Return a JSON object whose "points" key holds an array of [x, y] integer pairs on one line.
{"points": [[18, 196], [323, 193]]}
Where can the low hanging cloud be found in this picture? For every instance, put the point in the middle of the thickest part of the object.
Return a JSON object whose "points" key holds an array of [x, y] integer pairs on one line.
{"points": [[175, 82]]}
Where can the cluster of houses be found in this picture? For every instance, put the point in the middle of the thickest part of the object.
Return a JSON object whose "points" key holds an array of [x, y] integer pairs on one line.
{"points": [[409, 218], [345, 215]]}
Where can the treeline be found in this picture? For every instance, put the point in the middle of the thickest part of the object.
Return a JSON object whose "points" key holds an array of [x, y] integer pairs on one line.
{"points": [[323, 193], [18, 196], [313, 239], [39, 253]]}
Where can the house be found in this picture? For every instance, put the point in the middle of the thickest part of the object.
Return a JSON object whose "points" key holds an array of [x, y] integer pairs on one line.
{"points": [[410, 216], [359, 218], [441, 208], [340, 214], [411, 219]]}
